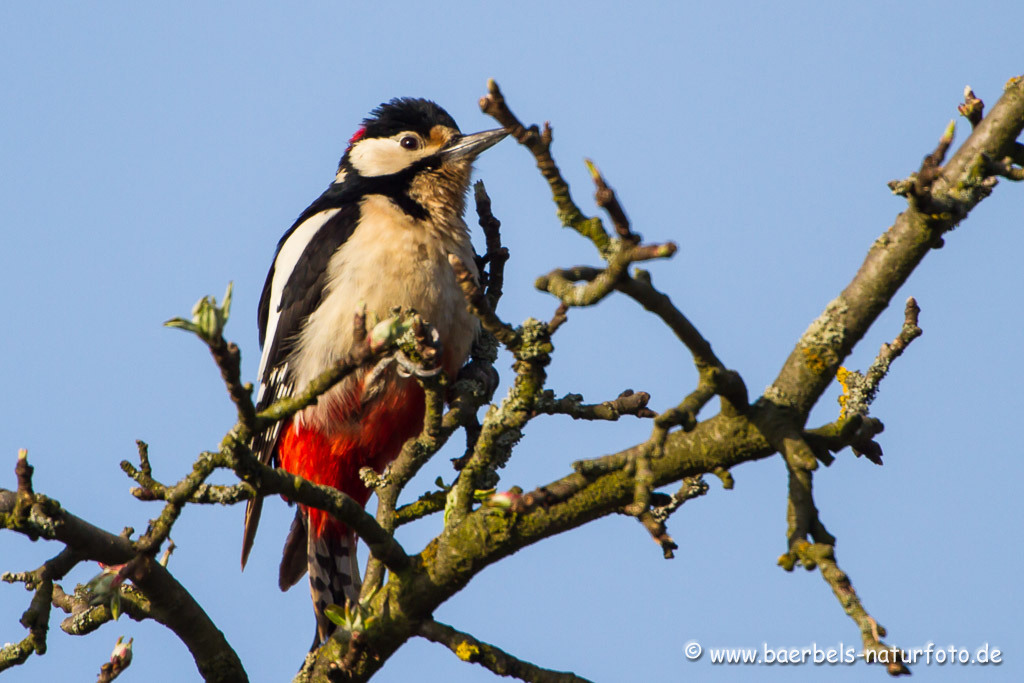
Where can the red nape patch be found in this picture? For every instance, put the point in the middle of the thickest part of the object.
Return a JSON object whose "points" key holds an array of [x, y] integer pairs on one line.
{"points": [[356, 136]]}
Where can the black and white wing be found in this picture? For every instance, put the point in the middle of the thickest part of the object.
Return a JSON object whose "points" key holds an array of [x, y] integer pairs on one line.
{"points": [[293, 290]]}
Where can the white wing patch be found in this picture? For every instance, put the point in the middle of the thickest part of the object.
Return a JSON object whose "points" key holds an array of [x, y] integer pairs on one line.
{"points": [[284, 264]]}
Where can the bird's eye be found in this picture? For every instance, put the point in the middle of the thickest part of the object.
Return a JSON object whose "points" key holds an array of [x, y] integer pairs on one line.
{"points": [[410, 142]]}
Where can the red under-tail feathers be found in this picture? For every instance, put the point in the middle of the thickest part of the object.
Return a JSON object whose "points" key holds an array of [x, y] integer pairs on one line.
{"points": [[368, 436]]}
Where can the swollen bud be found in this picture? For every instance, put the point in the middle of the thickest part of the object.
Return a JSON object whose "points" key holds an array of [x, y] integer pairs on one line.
{"points": [[208, 319]]}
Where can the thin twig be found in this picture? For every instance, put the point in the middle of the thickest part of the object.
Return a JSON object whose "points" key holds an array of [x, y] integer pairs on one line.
{"points": [[496, 255], [606, 199], [822, 556], [539, 143], [627, 403], [479, 305], [469, 649], [655, 519]]}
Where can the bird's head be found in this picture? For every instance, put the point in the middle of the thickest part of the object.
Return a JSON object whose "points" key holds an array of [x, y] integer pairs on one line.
{"points": [[415, 145]]}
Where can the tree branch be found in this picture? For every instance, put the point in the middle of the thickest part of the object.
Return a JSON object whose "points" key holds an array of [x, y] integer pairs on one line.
{"points": [[627, 403], [172, 605], [539, 143], [469, 649], [959, 187]]}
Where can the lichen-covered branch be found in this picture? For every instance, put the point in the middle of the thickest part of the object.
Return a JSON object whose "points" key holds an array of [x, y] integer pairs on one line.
{"points": [[83, 619], [502, 426], [961, 184], [36, 620], [42, 581], [171, 604], [811, 545], [860, 390], [822, 556], [854, 428], [469, 649], [475, 385], [415, 453], [381, 543], [802, 517], [427, 504]]}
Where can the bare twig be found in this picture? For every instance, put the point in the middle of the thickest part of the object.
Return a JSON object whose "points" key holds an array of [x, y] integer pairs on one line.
{"points": [[932, 165], [559, 282], [479, 305], [539, 143], [655, 519], [628, 403], [496, 255], [1005, 168], [607, 200]]}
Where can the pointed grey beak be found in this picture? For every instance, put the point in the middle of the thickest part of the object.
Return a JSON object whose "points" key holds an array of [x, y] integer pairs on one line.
{"points": [[469, 146]]}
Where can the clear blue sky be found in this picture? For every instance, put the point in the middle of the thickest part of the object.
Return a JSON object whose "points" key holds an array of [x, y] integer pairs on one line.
{"points": [[152, 153]]}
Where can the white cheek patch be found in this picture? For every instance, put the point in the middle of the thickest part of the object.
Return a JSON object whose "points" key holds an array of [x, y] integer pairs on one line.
{"points": [[382, 156]]}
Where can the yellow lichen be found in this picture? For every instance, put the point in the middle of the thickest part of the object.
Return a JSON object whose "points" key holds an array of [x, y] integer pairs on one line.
{"points": [[466, 651], [842, 374], [815, 363]]}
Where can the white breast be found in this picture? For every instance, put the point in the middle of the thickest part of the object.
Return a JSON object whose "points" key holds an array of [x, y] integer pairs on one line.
{"points": [[390, 260]]}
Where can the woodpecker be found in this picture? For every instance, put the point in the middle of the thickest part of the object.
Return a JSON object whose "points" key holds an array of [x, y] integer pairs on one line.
{"points": [[378, 237]]}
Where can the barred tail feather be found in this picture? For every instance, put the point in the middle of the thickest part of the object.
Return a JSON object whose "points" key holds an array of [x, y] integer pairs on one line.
{"points": [[333, 571]]}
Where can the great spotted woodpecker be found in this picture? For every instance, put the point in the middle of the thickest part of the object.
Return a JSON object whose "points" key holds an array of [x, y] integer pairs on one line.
{"points": [[379, 236]]}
